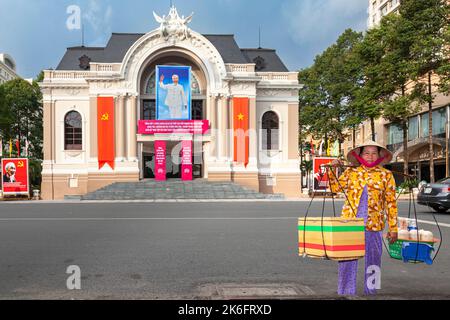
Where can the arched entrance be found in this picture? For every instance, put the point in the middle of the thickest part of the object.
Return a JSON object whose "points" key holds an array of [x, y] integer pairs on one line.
{"points": [[147, 111]]}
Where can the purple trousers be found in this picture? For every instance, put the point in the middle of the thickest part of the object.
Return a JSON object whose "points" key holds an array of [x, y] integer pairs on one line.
{"points": [[348, 270]]}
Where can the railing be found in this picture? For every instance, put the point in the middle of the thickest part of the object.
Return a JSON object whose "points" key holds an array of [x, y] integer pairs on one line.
{"points": [[105, 67], [241, 67], [66, 75], [96, 69], [278, 76]]}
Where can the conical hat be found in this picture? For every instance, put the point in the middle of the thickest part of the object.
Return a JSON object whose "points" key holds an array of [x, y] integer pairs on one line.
{"points": [[383, 152]]}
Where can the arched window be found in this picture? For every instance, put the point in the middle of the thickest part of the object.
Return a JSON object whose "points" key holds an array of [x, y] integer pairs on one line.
{"points": [[73, 131], [270, 131]]}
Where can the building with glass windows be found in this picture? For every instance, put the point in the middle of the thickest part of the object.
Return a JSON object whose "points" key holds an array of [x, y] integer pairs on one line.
{"points": [[101, 125], [391, 134], [7, 68], [380, 8]]}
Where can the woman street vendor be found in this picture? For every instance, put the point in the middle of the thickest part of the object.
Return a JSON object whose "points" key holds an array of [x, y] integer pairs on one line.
{"points": [[370, 194]]}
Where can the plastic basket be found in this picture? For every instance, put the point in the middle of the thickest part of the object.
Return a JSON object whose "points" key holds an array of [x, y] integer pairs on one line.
{"points": [[417, 252], [395, 249]]}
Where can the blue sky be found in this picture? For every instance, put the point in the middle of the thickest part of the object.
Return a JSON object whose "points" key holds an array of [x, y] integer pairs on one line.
{"points": [[34, 32]]}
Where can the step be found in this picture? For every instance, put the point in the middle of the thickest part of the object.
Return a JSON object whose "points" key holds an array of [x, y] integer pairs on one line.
{"points": [[175, 189]]}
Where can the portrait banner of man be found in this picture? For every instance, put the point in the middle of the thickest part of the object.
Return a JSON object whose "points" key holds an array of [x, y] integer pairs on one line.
{"points": [[321, 179], [15, 180], [173, 93]]}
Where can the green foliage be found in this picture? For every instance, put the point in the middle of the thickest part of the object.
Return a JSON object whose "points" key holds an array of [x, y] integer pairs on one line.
{"points": [[35, 170], [361, 78], [428, 22], [306, 166], [329, 89], [21, 115], [408, 184]]}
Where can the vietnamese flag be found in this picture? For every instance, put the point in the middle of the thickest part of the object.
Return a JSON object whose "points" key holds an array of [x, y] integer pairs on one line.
{"points": [[105, 127], [241, 125]]}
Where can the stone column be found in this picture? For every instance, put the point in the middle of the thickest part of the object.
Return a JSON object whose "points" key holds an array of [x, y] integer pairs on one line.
{"points": [[48, 131], [228, 118], [292, 132], [220, 128], [120, 128], [131, 111], [223, 126], [253, 131], [93, 127], [48, 180], [141, 160], [231, 129], [212, 118]]}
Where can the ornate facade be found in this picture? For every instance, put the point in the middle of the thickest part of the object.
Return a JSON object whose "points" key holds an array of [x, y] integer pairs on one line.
{"points": [[124, 70]]}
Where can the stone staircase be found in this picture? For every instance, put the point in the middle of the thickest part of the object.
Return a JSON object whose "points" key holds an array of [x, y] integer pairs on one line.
{"points": [[176, 189]]}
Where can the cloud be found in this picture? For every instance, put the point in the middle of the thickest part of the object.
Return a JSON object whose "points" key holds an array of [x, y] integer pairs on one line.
{"points": [[321, 21], [100, 20]]}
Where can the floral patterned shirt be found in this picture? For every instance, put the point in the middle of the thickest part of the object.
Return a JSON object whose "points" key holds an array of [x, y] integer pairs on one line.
{"points": [[381, 193]]}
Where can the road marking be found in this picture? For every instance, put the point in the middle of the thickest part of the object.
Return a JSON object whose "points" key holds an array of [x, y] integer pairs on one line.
{"points": [[434, 223], [307, 200], [124, 219], [150, 201], [181, 218]]}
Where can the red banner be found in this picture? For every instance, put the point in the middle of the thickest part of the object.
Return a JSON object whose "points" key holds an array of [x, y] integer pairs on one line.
{"points": [[160, 160], [320, 173], [173, 126], [241, 125], [105, 127], [15, 177], [186, 161]]}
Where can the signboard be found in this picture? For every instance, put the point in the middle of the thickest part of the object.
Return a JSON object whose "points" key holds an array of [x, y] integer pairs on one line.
{"points": [[15, 180], [160, 160], [321, 179], [173, 126], [186, 161], [173, 93]]}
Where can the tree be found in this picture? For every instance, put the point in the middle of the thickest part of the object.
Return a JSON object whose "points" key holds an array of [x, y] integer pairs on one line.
{"points": [[3, 114], [373, 87], [21, 115], [429, 21], [329, 89], [399, 102]]}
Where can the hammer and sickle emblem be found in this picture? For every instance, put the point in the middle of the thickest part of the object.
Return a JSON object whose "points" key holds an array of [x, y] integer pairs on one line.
{"points": [[105, 117]]}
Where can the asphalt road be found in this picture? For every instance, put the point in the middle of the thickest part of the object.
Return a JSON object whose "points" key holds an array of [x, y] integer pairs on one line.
{"points": [[186, 251]]}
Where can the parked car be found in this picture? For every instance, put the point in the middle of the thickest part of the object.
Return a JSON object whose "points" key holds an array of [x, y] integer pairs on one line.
{"points": [[436, 195]]}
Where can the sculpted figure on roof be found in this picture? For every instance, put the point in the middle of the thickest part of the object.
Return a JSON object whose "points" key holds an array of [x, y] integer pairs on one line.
{"points": [[174, 26]]}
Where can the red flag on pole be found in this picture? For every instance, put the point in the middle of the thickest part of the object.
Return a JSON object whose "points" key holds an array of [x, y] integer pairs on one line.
{"points": [[105, 125], [18, 147], [241, 126]]}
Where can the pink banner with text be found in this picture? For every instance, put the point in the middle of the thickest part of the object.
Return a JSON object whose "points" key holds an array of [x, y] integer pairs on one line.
{"points": [[160, 160], [173, 126], [186, 161]]}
